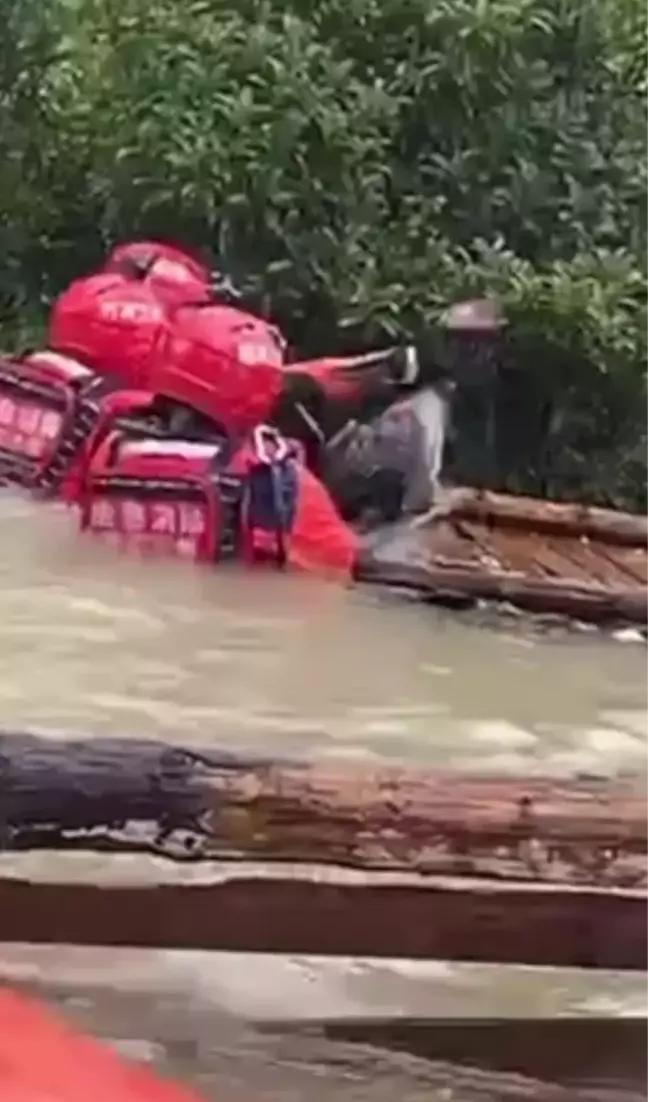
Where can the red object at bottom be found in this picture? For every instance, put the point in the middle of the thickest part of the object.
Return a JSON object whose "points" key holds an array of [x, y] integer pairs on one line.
{"points": [[43, 1060]]}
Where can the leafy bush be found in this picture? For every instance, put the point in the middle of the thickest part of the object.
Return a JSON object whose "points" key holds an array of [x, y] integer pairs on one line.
{"points": [[364, 163]]}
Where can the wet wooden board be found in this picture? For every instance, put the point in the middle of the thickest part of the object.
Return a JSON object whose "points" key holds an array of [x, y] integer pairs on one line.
{"points": [[325, 912], [545, 557], [591, 561], [602, 1055], [511, 552], [631, 561], [520, 869], [83, 793]]}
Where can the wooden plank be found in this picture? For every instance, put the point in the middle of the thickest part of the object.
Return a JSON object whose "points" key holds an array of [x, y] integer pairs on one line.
{"points": [[490, 1060], [630, 561], [556, 596], [199, 803], [332, 913], [561, 518], [604, 1056], [536, 870], [546, 558]]}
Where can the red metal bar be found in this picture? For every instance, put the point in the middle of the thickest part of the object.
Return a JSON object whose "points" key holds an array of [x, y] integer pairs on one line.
{"points": [[43, 1060]]}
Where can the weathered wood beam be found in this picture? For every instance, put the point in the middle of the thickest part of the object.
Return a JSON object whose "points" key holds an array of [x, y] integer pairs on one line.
{"points": [[89, 793], [323, 912], [606, 1056], [533, 869], [463, 574], [559, 518], [590, 603]]}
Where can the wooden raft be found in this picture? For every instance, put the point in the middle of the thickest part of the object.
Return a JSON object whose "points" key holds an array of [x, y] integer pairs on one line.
{"points": [[545, 557], [292, 857]]}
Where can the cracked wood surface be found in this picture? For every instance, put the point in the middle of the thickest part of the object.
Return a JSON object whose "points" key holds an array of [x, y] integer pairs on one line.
{"points": [[544, 557], [563, 518], [142, 795], [326, 912], [384, 861]]}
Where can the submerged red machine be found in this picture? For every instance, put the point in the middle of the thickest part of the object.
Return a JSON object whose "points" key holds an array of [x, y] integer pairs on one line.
{"points": [[154, 411]]}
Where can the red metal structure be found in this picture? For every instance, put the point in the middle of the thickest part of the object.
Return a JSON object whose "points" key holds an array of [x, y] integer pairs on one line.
{"points": [[151, 412], [43, 1060]]}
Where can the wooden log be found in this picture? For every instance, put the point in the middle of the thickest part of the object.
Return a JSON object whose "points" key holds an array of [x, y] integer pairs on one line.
{"points": [[89, 793], [589, 603], [519, 1060], [504, 855], [560, 518], [324, 912], [604, 1055]]}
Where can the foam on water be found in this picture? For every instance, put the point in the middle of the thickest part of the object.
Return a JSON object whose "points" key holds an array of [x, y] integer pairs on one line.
{"points": [[91, 641]]}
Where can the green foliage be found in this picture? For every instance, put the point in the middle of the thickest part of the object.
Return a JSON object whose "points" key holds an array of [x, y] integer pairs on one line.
{"points": [[365, 163]]}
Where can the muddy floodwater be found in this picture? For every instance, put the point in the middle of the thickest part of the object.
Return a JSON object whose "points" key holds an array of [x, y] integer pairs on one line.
{"points": [[91, 642]]}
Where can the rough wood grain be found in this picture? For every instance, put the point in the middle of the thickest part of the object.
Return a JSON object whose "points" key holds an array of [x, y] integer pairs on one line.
{"points": [[332, 913], [589, 603], [536, 870], [559, 518], [546, 558], [605, 1056], [141, 795]]}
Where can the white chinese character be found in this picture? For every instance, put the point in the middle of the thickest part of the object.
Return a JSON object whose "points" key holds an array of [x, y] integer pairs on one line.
{"points": [[50, 425], [102, 515], [7, 411], [29, 419], [133, 517], [248, 353], [187, 548], [130, 311], [192, 520], [34, 446], [163, 519], [252, 353]]}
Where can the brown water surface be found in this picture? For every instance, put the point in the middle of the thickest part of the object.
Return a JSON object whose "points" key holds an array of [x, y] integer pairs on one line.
{"points": [[94, 642]]}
